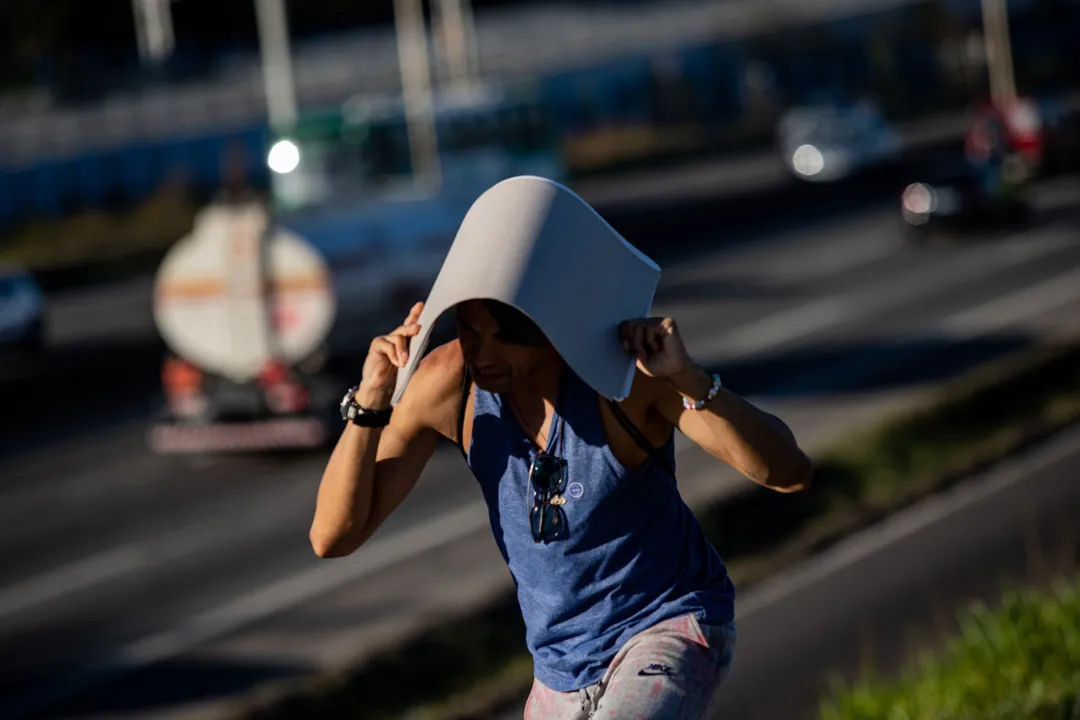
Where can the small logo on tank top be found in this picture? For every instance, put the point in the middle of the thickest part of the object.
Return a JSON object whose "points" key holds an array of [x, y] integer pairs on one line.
{"points": [[575, 490], [657, 669]]}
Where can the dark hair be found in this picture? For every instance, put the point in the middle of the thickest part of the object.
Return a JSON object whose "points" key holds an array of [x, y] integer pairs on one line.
{"points": [[515, 327]]}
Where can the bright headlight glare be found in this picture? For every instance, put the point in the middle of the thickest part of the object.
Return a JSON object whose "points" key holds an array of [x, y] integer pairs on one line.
{"points": [[807, 160], [919, 199], [284, 157]]}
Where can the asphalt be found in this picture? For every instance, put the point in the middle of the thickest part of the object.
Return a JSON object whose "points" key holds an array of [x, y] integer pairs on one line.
{"points": [[878, 599], [114, 559]]}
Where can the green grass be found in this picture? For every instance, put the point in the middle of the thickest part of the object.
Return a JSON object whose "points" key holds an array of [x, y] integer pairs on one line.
{"points": [[1018, 662], [472, 666]]}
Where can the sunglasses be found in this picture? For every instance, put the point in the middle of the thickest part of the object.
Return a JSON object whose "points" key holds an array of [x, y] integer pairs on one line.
{"points": [[547, 476]]}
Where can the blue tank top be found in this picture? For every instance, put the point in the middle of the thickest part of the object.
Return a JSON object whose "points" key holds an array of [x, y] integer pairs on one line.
{"points": [[635, 555]]}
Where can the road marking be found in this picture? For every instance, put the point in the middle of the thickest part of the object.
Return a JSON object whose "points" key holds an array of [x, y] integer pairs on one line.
{"points": [[865, 249], [1015, 307], [788, 325], [70, 578], [260, 603], [867, 241], [981, 320], [792, 256], [904, 524], [308, 584], [115, 562], [784, 327]]}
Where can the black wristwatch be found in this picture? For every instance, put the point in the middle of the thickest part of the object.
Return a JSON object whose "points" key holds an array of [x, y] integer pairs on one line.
{"points": [[364, 417]]}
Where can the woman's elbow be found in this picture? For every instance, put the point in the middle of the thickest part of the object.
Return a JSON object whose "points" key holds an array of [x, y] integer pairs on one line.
{"points": [[797, 476], [328, 545]]}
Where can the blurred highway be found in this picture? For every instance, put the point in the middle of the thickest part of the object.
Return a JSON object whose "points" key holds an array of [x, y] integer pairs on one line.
{"points": [[100, 336], [113, 558], [513, 43], [881, 594], [120, 313]]}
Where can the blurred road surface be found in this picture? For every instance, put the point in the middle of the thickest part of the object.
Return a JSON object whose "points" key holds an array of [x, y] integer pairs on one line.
{"points": [[885, 592], [121, 312], [103, 336], [97, 335], [199, 572]]}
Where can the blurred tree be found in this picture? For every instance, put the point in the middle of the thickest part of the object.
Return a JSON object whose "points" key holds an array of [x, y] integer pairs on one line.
{"points": [[100, 25], [29, 29]]}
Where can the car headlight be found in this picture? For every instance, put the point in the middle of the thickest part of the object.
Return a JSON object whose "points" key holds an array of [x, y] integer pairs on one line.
{"points": [[919, 199], [807, 160], [284, 157]]}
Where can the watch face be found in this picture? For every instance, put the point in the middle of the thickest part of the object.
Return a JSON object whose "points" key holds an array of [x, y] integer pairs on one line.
{"points": [[348, 409]]}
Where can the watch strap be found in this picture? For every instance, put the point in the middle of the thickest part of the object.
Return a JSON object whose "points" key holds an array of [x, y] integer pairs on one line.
{"points": [[365, 417]]}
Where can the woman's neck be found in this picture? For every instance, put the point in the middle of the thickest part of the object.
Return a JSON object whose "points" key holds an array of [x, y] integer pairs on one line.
{"points": [[539, 386]]}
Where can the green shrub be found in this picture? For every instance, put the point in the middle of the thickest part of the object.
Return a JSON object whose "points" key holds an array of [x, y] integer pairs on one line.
{"points": [[1018, 662]]}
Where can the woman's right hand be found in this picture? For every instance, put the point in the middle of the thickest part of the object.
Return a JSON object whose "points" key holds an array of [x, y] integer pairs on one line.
{"points": [[386, 355]]}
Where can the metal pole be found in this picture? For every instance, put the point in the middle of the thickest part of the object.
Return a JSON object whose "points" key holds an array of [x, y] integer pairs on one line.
{"points": [[276, 64], [153, 29], [999, 62], [439, 44], [416, 90], [281, 113], [472, 44], [455, 40]]}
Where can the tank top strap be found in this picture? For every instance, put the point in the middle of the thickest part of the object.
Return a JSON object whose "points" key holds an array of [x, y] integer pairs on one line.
{"points": [[466, 389], [639, 437]]}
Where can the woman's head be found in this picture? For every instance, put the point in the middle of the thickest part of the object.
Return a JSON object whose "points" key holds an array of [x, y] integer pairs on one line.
{"points": [[500, 343]]}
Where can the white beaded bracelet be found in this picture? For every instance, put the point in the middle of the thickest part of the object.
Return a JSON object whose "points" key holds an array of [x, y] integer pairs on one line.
{"points": [[713, 392]]}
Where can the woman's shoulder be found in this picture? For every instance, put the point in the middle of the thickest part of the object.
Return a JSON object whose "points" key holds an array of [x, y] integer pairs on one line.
{"points": [[435, 388]]}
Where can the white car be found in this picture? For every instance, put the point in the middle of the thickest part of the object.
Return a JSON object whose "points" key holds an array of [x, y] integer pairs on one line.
{"points": [[22, 314], [828, 143]]}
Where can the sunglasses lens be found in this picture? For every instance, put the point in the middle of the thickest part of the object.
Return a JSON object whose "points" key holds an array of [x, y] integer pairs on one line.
{"points": [[536, 521], [549, 523], [545, 473]]}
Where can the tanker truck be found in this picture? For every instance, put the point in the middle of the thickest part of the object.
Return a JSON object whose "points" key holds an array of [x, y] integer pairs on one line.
{"points": [[261, 303], [245, 310]]}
